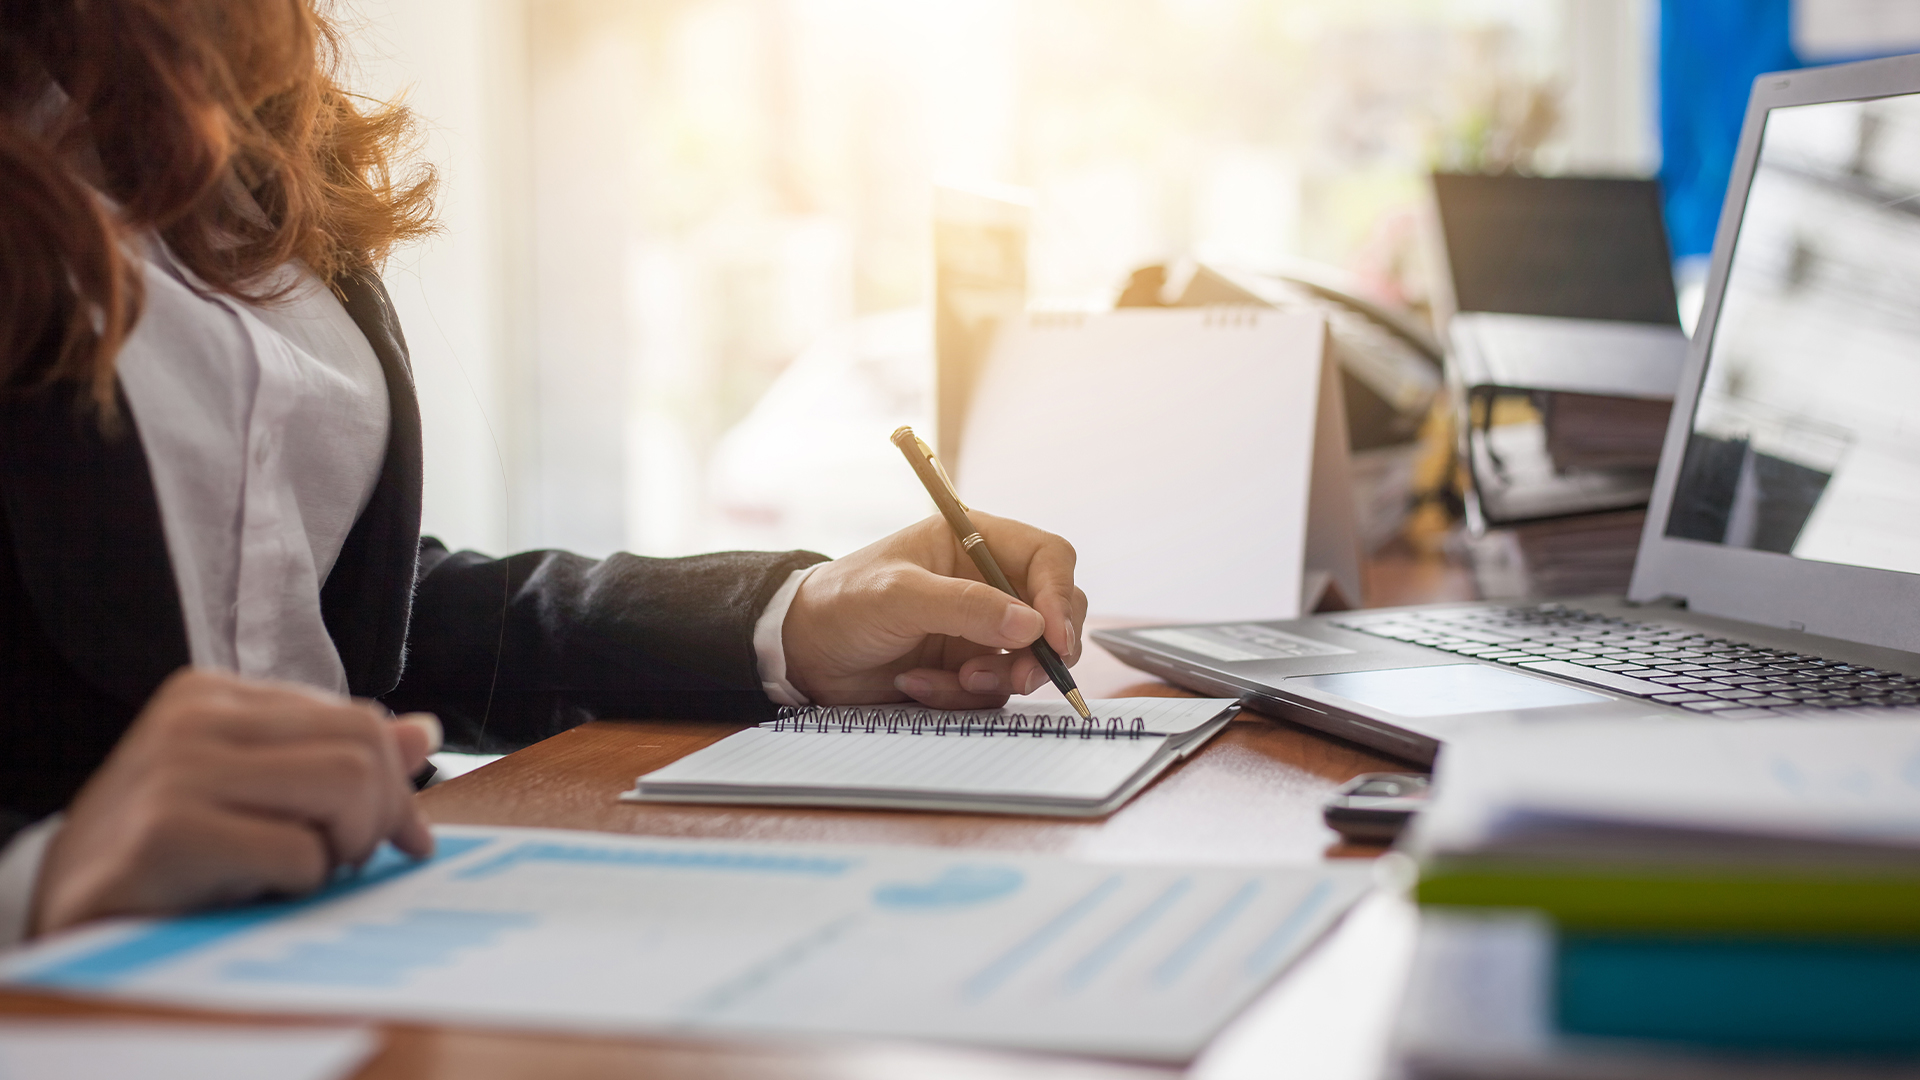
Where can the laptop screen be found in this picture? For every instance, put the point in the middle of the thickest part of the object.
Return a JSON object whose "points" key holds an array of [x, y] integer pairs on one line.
{"points": [[1806, 436]]}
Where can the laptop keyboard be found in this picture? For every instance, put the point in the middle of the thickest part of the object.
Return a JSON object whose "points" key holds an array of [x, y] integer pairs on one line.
{"points": [[1669, 664]]}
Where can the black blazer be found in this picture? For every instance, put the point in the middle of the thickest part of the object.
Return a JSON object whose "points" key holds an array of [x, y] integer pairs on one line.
{"points": [[506, 651]]}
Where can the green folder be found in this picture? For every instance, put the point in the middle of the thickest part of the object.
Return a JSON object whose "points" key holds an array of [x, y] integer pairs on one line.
{"points": [[1865, 901]]}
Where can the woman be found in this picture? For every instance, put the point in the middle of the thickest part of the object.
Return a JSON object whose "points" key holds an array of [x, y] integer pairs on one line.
{"points": [[212, 584]]}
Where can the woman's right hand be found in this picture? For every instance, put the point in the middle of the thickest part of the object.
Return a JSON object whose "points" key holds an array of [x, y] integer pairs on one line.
{"points": [[226, 789]]}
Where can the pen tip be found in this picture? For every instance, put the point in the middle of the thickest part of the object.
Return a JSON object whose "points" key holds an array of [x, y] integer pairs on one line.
{"points": [[1079, 704]]}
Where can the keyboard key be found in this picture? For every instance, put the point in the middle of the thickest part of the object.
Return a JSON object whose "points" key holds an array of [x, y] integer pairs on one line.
{"points": [[1745, 714], [1735, 694], [1712, 706], [1486, 637], [1625, 684], [1770, 702], [1680, 699]]}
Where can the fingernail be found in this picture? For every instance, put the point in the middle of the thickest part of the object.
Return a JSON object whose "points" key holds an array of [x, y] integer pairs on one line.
{"points": [[981, 682], [914, 686], [1022, 623], [1035, 681], [429, 724]]}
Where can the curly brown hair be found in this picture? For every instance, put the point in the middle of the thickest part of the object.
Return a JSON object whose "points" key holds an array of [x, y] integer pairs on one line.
{"points": [[172, 109]]}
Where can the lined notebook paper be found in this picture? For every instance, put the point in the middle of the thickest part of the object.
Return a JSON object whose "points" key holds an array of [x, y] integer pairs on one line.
{"points": [[1034, 758]]}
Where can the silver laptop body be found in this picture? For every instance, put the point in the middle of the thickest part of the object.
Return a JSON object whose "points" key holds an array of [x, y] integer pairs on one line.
{"points": [[1779, 572]]}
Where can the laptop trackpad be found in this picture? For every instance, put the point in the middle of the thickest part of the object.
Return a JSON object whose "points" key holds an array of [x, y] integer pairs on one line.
{"points": [[1447, 690]]}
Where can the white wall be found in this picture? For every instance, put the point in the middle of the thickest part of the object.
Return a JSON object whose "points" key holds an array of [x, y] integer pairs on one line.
{"points": [[1610, 54], [458, 65]]}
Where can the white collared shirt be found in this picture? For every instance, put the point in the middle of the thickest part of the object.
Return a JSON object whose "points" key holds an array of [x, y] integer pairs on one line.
{"points": [[265, 429]]}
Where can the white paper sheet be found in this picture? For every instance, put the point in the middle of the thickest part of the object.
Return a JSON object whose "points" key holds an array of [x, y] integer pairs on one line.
{"points": [[586, 931], [115, 1050], [850, 761], [1330, 1017], [1206, 415], [1837, 779]]}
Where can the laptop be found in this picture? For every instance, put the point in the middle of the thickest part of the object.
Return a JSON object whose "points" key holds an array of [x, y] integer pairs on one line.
{"points": [[1559, 289], [1779, 570]]}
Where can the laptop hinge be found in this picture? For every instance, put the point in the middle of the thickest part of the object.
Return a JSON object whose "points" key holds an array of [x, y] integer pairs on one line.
{"points": [[1664, 600]]}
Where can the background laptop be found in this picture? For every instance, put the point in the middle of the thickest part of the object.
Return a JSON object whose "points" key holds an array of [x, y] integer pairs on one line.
{"points": [[1558, 289], [1557, 283], [1780, 567]]}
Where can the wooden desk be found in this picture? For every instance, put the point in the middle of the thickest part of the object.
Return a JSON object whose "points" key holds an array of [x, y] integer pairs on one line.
{"points": [[1252, 796]]}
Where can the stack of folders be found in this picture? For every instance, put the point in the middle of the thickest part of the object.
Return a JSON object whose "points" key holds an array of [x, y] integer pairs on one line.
{"points": [[1035, 758], [1583, 555], [1693, 898], [1595, 431]]}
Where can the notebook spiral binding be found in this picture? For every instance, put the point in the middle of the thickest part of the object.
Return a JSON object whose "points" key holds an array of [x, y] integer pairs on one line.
{"points": [[871, 720]]}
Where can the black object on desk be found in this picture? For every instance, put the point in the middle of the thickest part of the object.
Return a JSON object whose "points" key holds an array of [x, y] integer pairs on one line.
{"points": [[1372, 808]]}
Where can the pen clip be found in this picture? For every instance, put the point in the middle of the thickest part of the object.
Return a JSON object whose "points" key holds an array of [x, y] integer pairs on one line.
{"points": [[938, 469]]}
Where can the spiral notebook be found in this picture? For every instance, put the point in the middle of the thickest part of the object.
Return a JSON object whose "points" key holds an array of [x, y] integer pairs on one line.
{"points": [[1035, 758]]}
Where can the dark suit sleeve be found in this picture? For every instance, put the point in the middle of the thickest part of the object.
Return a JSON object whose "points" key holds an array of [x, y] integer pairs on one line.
{"points": [[11, 825], [509, 651]]}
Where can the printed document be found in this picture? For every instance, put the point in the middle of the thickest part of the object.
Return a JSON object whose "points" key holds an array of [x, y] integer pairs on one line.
{"points": [[593, 932]]}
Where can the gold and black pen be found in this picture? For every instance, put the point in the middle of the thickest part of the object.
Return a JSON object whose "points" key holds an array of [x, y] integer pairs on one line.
{"points": [[920, 456]]}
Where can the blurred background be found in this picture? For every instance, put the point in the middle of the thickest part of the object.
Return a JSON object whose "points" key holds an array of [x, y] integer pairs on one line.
{"points": [[684, 289]]}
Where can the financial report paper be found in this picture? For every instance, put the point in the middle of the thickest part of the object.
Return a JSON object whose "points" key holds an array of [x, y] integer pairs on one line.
{"points": [[591, 932]]}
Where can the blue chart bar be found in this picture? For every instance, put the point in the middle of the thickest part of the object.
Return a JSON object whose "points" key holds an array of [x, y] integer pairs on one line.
{"points": [[127, 957], [998, 972], [1275, 947], [381, 954], [1116, 943], [592, 855], [1183, 957]]}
